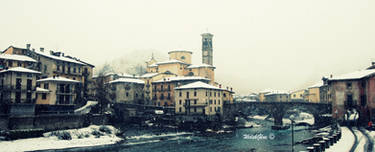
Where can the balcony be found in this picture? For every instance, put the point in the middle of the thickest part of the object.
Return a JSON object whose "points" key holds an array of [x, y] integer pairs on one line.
{"points": [[17, 88], [196, 105]]}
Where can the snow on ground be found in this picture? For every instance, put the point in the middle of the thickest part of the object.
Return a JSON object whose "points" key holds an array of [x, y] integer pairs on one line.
{"points": [[345, 143], [362, 140], [372, 136], [83, 137]]}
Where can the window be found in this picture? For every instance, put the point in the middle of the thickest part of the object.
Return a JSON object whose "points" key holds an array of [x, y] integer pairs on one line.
{"points": [[180, 102], [218, 94], [161, 87], [210, 94], [169, 87], [10, 63], [210, 101], [29, 75], [127, 94], [210, 109], [349, 85], [169, 95], [224, 94], [218, 101], [195, 101], [28, 97], [74, 70], [214, 101], [187, 94], [162, 96], [214, 94], [45, 68], [218, 109], [58, 67], [179, 109], [363, 100], [136, 95], [180, 94], [18, 97], [206, 93], [195, 109], [19, 74], [19, 64], [195, 93]]}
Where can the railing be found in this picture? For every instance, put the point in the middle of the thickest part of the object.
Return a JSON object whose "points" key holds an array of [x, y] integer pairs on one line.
{"points": [[17, 88]]}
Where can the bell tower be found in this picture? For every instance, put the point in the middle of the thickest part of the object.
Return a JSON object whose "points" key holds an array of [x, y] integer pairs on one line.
{"points": [[207, 48]]}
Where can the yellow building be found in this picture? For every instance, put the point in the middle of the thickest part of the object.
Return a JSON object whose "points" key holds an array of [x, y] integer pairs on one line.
{"points": [[199, 98], [181, 55], [18, 85], [313, 92], [54, 64], [17, 90], [13, 60], [56, 91], [298, 95], [179, 63]]}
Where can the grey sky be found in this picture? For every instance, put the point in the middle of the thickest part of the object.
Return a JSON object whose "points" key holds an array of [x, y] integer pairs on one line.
{"points": [[280, 44]]}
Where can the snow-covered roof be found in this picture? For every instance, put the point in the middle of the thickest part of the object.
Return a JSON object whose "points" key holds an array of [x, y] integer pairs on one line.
{"points": [[153, 65], [61, 58], [169, 79], [126, 75], [180, 50], [170, 62], [317, 85], [198, 85], [127, 80], [353, 75], [86, 108], [276, 92], [42, 90], [59, 79], [200, 66], [149, 75], [20, 69], [16, 57]]}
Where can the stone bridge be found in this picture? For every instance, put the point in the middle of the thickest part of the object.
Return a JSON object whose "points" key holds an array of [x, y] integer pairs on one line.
{"points": [[278, 109]]}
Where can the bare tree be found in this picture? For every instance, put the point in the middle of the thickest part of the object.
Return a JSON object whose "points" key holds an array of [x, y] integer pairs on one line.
{"points": [[102, 88]]}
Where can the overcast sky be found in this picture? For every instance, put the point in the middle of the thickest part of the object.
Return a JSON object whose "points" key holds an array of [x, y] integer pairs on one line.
{"points": [[258, 44]]}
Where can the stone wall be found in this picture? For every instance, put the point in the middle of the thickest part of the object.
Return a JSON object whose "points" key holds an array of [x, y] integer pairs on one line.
{"points": [[50, 122]]}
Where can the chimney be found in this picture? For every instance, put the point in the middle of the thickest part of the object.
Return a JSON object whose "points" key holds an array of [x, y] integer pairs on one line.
{"points": [[331, 76], [372, 63], [219, 85], [231, 89], [33, 50], [63, 54], [51, 52], [41, 49], [28, 46]]}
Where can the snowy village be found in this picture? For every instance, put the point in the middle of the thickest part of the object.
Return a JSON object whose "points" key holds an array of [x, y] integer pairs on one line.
{"points": [[191, 76]]}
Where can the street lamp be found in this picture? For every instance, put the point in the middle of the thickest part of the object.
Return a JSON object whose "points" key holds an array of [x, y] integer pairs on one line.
{"points": [[292, 123]]}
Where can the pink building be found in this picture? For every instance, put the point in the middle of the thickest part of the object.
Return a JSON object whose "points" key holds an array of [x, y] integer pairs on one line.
{"points": [[354, 90]]}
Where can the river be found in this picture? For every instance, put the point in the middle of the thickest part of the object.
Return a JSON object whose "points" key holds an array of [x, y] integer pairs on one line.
{"points": [[259, 139]]}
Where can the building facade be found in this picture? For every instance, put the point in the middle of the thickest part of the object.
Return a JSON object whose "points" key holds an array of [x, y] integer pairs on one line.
{"points": [[354, 90], [57, 91], [199, 99], [127, 90]]}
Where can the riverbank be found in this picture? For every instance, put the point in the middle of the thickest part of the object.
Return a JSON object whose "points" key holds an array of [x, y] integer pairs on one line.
{"points": [[85, 137]]}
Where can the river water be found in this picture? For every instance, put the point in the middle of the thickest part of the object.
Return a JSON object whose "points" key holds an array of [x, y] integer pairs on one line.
{"points": [[259, 139]]}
